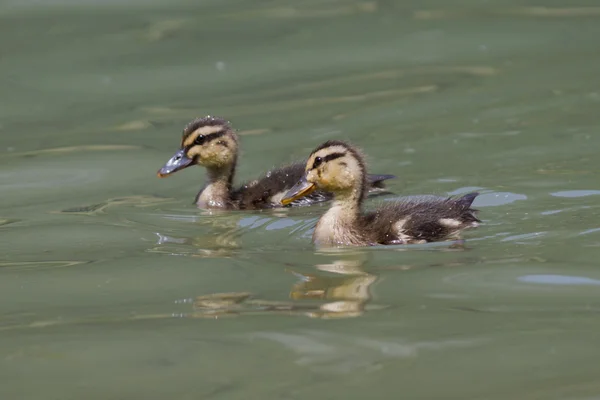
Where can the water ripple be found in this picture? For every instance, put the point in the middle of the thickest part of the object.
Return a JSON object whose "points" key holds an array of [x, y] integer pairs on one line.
{"points": [[497, 199], [558, 280], [575, 193]]}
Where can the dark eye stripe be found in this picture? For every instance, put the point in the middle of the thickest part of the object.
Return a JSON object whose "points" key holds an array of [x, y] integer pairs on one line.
{"points": [[333, 156], [327, 158], [210, 137], [215, 135]]}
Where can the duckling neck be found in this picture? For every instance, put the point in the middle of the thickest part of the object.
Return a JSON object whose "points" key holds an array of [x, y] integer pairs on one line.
{"points": [[216, 193], [337, 227]]}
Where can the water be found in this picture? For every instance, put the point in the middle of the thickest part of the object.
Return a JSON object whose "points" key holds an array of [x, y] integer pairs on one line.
{"points": [[113, 286]]}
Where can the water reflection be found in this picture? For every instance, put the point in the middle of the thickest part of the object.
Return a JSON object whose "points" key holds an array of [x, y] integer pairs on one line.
{"points": [[343, 353], [345, 294], [221, 239], [223, 243], [7, 221], [100, 207]]}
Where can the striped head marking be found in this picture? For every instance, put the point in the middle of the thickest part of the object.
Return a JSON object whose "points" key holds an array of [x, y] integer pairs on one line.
{"points": [[335, 166], [209, 142]]}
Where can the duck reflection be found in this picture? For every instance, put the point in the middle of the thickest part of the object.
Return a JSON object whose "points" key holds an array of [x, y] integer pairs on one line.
{"points": [[345, 296], [221, 240], [205, 246], [340, 289]]}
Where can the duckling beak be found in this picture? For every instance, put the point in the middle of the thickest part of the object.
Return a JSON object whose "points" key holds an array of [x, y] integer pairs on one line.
{"points": [[177, 162], [300, 189]]}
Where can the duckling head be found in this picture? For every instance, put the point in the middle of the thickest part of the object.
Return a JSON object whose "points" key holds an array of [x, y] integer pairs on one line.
{"points": [[209, 142], [334, 167]]}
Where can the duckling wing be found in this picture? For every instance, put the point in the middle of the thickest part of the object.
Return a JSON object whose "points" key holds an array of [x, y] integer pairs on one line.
{"points": [[267, 191], [421, 219]]}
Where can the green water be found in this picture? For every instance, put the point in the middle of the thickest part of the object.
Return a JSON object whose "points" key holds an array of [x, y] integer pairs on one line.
{"points": [[113, 286]]}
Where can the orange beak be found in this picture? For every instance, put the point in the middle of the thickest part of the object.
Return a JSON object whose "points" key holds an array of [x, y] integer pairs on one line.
{"points": [[300, 189]]}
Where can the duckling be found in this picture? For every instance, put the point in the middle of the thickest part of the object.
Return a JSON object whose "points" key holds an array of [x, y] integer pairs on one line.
{"points": [[339, 168], [211, 142]]}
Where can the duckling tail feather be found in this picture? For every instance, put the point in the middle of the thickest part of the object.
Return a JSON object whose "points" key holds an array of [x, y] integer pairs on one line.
{"points": [[377, 181], [468, 199], [465, 203]]}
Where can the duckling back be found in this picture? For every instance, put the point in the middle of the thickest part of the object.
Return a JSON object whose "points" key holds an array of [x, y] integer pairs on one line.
{"points": [[267, 191], [420, 220]]}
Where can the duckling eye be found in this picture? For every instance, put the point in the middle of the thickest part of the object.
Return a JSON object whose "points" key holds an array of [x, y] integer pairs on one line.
{"points": [[200, 139], [317, 162]]}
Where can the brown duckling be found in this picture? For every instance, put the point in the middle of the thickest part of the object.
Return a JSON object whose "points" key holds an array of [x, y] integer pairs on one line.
{"points": [[211, 142], [339, 168]]}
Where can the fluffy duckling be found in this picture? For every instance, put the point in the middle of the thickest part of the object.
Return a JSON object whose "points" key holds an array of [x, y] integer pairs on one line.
{"points": [[339, 168], [211, 142]]}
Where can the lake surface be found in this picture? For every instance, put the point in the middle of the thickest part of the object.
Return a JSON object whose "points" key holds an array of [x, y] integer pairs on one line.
{"points": [[114, 286]]}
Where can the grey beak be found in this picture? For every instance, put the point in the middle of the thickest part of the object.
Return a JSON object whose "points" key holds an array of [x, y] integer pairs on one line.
{"points": [[177, 162]]}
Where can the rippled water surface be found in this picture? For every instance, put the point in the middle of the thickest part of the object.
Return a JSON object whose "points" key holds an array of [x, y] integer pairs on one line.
{"points": [[113, 286]]}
